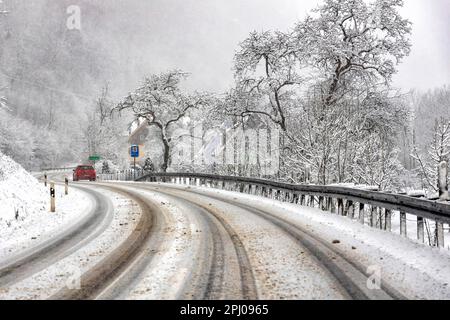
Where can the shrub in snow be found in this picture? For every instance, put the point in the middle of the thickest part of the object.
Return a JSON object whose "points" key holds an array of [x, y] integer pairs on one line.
{"points": [[20, 193], [148, 165], [105, 167]]}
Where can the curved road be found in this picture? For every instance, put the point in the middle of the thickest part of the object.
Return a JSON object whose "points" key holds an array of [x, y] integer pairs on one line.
{"points": [[229, 250]]}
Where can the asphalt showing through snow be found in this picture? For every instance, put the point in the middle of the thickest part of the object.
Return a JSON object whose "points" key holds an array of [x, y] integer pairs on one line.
{"points": [[229, 243]]}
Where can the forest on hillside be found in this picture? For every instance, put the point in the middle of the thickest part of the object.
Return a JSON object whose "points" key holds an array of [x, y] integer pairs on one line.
{"points": [[325, 84]]}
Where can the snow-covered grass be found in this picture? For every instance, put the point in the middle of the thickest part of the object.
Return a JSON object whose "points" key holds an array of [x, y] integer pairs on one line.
{"points": [[25, 219], [21, 195]]}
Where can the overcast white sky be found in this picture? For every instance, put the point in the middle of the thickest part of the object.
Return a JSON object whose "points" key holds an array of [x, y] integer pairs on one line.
{"points": [[200, 36]]}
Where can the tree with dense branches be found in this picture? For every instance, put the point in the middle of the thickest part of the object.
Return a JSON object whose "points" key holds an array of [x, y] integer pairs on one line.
{"points": [[163, 104]]}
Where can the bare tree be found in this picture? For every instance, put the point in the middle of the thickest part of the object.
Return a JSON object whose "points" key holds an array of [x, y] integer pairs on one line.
{"points": [[351, 41], [267, 68], [326, 85], [438, 151], [162, 103]]}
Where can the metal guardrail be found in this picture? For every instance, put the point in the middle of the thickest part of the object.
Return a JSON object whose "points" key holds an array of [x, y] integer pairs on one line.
{"points": [[57, 169], [122, 175], [351, 202]]}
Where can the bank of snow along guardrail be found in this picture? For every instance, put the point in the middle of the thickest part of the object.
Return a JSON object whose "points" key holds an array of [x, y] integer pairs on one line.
{"points": [[356, 203]]}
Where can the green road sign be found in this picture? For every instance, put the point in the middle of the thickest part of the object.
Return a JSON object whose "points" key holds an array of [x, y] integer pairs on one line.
{"points": [[94, 158]]}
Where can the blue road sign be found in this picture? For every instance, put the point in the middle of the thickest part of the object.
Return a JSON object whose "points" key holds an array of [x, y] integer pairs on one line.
{"points": [[134, 151]]}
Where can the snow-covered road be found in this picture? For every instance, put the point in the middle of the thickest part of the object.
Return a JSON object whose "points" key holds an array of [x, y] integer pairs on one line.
{"points": [[167, 241]]}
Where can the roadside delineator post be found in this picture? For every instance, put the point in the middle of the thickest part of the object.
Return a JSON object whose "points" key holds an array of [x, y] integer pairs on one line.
{"points": [[45, 179], [52, 196], [66, 186]]}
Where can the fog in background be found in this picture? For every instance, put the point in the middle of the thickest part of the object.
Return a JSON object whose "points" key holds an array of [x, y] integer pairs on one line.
{"points": [[51, 76], [139, 37]]}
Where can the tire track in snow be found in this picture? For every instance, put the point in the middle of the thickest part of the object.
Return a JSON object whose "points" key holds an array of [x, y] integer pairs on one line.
{"points": [[351, 277], [63, 244], [106, 275], [217, 229]]}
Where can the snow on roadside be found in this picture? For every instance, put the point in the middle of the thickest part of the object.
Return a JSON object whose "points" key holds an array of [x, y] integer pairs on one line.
{"points": [[42, 226], [22, 193], [417, 270], [67, 271]]}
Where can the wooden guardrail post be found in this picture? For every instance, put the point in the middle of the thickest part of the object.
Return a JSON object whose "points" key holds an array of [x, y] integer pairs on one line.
{"points": [[420, 220], [294, 198], [333, 205], [340, 207], [361, 212], [278, 195], [328, 203], [420, 229], [350, 209], [403, 230], [373, 215], [387, 219], [321, 203], [287, 196], [311, 201], [52, 196], [345, 208], [381, 212], [439, 234]]}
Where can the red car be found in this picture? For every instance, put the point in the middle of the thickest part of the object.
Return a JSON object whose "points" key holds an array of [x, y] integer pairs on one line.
{"points": [[84, 172]]}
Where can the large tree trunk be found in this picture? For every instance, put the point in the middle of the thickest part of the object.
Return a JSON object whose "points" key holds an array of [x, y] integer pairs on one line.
{"points": [[166, 155]]}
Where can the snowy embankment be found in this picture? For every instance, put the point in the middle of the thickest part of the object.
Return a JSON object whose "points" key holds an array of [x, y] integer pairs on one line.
{"points": [[21, 195], [62, 273], [25, 219]]}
